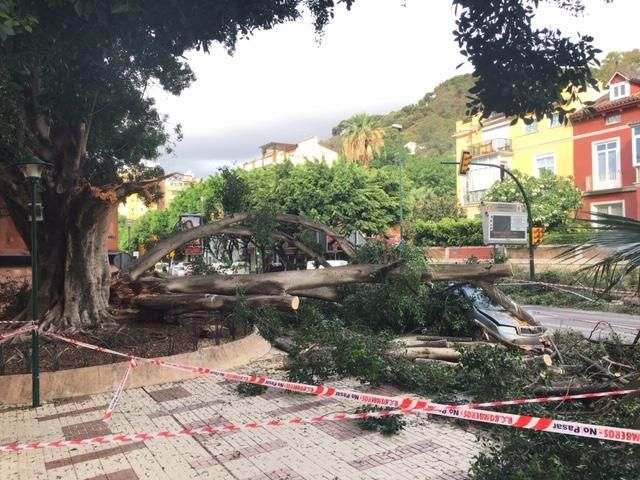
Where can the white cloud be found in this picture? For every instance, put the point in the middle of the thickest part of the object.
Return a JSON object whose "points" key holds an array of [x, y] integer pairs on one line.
{"points": [[282, 85]]}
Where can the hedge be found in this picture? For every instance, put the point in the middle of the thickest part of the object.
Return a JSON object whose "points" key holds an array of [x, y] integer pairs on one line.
{"points": [[449, 232]]}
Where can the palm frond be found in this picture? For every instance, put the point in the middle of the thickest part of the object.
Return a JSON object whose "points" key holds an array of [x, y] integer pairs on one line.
{"points": [[615, 248]]}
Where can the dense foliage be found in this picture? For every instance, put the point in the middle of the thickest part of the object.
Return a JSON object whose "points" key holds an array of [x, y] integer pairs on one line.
{"points": [[449, 232], [554, 200]]}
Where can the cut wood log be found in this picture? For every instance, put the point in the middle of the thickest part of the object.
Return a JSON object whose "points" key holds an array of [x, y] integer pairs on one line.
{"points": [[447, 354], [450, 339], [196, 302], [432, 361]]}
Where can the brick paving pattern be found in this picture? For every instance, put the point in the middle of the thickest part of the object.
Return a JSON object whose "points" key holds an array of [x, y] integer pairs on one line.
{"points": [[427, 449]]}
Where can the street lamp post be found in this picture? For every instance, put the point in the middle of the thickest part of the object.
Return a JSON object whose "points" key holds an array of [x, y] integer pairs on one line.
{"points": [[398, 127], [32, 171]]}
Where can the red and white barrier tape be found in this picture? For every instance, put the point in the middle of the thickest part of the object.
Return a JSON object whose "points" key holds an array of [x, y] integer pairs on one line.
{"points": [[558, 398], [575, 287], [116, 396], [207, 429], [518, 421], [406, 403], [10, 322], [18, 331]]}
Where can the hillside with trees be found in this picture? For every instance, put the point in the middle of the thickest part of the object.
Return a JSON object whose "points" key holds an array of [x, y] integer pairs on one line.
{"points": [[429, 122]]}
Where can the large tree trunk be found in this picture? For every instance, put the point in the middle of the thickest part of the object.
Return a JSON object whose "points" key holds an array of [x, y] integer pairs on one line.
{"points": [[75, 272]]}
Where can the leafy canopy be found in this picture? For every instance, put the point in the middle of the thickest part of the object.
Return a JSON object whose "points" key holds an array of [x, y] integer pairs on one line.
{"points": [[554, 200]]}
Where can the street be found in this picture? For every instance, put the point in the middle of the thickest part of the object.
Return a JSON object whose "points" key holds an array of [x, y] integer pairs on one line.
{"points": [[585, 321]]}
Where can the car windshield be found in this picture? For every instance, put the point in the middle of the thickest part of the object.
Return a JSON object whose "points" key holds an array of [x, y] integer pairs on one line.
{"points": [[481, 299]]}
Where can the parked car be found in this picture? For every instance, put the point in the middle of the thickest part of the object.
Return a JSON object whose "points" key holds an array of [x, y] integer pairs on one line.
{"points": [[496, 320], [238, 267], [182, 270], [311, 264]]}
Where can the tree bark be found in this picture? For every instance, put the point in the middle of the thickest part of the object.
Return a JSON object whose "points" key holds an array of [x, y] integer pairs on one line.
{"points": [[208, 302]]}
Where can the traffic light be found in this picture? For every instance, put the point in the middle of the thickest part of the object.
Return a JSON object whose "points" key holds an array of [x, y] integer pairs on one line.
{"points": [[465, 162], [538, 235]]}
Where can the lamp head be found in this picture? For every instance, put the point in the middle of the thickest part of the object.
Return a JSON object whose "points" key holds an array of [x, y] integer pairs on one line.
{"points": [[32, 168]]}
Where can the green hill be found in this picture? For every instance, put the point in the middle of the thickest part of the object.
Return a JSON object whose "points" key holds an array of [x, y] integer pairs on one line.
{"points": [[430, 122]]}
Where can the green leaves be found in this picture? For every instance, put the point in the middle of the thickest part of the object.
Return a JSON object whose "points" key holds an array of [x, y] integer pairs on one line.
{"points": [[554, 200], [520, 69]]}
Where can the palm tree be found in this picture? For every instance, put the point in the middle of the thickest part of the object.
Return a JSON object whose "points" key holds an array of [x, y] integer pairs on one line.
{"points": [[362, 139], [619, 238]]}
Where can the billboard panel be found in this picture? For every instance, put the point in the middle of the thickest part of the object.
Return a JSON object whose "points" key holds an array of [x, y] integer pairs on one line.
{"points": [[191, 221], [504, 223]]}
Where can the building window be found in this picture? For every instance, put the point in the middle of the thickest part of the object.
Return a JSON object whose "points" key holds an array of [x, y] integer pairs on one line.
{"points": [[636, 145], [546, 161], [606, 164], [554, 121], [609, 208], [612, 118], [619, 90], [531, 127]]}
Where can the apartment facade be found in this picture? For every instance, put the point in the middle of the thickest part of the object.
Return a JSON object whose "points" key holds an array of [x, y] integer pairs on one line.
{"points": [[528, 147], [607, 149], [297, 153]]}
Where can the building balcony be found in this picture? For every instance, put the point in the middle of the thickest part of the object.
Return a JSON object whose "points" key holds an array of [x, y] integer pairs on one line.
{"points": [[474, 197], [491, 147], [610, 181]]}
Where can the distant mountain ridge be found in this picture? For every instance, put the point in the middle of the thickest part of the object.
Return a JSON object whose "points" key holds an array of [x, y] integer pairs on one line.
{"points": [[429, 123]]}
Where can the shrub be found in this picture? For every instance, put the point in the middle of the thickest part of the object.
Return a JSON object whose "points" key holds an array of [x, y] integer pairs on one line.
{"points": [[449, 232], [389, 425], [17, 295], [250, 389], [527, 455], [491, 373]]}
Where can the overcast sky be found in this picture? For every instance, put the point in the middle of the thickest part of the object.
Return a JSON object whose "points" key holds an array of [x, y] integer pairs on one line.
{"points": [[282, 85]]}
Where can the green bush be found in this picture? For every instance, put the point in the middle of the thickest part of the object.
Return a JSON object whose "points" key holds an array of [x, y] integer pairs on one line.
{"points": [[250, 389], [385, 425], [491, 373], [518, 454], [449, 233]]}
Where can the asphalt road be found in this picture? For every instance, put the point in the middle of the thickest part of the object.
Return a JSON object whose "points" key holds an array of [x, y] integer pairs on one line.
{"points": [[585, 321]]}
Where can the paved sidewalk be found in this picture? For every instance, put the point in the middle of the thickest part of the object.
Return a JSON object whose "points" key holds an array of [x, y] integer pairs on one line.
{"points": [[425, 449]]}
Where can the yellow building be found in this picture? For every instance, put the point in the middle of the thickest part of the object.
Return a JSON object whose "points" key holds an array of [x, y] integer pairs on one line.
{"points": [[490, 143], [134, 207], [173, 185], [528, 148]]}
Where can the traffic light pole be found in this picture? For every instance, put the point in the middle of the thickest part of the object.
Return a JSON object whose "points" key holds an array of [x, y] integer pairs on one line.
{"points": [[527, 203]]}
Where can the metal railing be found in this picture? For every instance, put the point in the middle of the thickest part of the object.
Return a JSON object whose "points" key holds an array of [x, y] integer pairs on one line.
{"points": [[474, 197], [594, 183], [491, 146]]}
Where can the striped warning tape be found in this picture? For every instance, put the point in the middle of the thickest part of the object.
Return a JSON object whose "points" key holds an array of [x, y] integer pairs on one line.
{"points": [[116, 396], [406, 403], [18, 331], [207, 429]]}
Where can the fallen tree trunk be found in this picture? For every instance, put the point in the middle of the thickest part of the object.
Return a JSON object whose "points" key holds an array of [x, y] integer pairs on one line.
{"points": [[497, 296], [195, 302], [279, 283], [165, 246]]}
